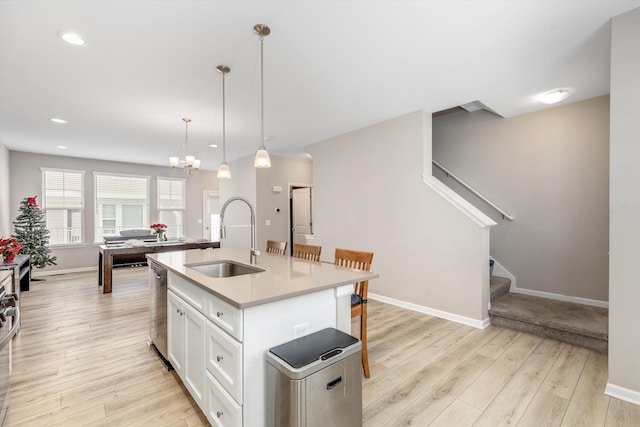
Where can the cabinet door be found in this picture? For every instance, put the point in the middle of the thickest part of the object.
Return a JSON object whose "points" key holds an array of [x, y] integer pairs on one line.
{"points": [[194, 354], [175, 332], [224, 360], [222, 410]]}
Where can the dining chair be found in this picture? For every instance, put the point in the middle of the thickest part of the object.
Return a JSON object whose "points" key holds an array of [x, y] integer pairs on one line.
{"points": [[308, 252], [277, 248], [361, 261]]}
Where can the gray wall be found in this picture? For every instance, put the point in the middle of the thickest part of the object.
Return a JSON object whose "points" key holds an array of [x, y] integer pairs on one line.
{"points": [[624, 260], [257, 186], [5, 211], [26, 181], [283, 171], [550, 169], [369, 195]]}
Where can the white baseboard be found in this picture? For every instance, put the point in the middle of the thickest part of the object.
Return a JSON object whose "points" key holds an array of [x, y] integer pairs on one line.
{"points": [[560, 297], [631, 396], [55, 272], [480, 324]]}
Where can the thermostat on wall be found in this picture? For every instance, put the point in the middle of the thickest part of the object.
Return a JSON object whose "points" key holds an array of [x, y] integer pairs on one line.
{"points": [[277, 189]]}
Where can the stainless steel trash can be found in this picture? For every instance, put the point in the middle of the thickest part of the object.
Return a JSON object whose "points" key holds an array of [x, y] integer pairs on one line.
{"points": [[315, 380]]}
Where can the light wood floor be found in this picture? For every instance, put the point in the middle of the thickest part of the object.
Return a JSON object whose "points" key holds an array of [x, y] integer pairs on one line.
{"points": [[82, 359]]}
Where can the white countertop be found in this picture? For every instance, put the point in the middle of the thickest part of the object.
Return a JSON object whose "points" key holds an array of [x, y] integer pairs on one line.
{"points": [[284, 277]]}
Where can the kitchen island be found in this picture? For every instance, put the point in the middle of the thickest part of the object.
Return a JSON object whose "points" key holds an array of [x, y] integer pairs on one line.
{"points": [[220, 328]]}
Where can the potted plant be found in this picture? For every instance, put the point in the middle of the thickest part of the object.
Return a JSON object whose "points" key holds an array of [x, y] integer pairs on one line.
{"points": [[9, 248], [160, 230]]}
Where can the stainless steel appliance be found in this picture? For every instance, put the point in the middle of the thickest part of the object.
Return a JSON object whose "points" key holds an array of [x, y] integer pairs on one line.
{"points": [[158, 311], [9, 324], [315, 381]]}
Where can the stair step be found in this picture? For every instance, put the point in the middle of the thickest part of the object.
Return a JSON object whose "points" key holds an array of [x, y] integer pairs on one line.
{"points": [[577, 324], [498, 286]]}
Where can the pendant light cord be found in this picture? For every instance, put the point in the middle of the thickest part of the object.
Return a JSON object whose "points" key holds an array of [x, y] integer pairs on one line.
{"points": [[262, 91], [224, 121]]}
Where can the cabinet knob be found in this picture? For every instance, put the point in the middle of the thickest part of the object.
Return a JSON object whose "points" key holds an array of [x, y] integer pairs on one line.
{"points": [[219, 358], [219, 414], [219, 314]]}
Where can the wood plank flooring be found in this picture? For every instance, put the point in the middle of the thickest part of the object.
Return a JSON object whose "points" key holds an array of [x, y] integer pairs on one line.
{"points": [[82, 359]]}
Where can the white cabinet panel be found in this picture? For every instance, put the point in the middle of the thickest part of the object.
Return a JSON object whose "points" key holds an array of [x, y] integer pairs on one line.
{"points": [[222, 410], [224, 360], [175, 332], [194, 353], [223, 314], [189, 292]]}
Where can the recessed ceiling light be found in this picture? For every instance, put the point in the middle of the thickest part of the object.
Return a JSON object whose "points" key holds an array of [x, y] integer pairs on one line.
{"points": [[55, 120], [213, 145], [62, 147], [72, 38], [554, 96]]}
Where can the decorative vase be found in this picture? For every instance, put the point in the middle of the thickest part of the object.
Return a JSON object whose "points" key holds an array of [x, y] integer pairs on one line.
{"points": [[160, 237]]}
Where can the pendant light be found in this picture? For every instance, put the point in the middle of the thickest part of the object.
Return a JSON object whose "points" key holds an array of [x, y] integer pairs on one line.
{"points": [[191, 164], [262, 156], [223, 171]]}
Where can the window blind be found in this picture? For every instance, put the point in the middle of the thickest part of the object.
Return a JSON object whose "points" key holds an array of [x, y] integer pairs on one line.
{"points": [[63, 205], [171, 205]]}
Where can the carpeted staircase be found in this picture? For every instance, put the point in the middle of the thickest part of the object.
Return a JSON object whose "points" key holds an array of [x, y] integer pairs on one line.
{"points": [[576, 324]]}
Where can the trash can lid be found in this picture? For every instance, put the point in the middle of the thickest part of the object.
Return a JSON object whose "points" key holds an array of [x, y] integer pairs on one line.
{"points": [[310, 348]]}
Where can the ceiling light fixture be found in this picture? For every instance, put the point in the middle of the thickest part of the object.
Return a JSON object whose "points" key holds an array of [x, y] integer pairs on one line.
{"points": [[554, 96], [191, 164], [56, 120], [223, 171], [72, 38], [262, 155]]}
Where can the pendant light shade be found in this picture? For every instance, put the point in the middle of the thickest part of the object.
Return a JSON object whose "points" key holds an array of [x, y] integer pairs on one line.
{"points": [[223, 171], [262, 155]]}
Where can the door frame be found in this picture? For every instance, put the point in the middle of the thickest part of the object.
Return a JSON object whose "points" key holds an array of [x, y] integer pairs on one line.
{"points": [[290, 188], [206, 194]]}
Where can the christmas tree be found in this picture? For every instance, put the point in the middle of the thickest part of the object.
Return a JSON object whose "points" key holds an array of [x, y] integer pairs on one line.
{"points": [[31, 231]]}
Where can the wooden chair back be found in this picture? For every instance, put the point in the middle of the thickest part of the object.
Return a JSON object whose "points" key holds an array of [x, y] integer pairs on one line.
{"points": [[359, 260], [277, 248], [308, 252]]}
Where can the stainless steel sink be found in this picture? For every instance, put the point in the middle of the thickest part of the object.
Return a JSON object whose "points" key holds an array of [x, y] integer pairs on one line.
{"points": [[221, 269]]}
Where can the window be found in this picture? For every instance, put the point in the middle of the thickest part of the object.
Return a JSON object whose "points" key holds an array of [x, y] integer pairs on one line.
{"points": [[171, 205], [63, 205], [122, 203]]}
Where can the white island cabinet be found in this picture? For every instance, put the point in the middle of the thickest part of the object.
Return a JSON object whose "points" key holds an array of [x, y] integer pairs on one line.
{"points": [[220, 328]]}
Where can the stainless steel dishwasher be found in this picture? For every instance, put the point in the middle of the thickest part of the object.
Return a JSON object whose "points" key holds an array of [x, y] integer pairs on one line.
{"points": [[158, 311]]}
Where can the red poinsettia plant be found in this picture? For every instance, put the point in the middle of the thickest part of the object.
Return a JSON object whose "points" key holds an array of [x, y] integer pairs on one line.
{"points": [[159, 228], [9, 248]]}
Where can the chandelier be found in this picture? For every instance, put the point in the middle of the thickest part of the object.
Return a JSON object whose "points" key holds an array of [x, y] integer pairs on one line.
{"points": [[190, 164]]}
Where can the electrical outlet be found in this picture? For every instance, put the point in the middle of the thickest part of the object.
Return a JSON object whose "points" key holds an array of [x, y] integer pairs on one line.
{"points": [[300, 330]]}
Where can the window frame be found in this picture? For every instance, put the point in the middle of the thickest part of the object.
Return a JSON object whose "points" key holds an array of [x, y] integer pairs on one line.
{"points": [[67, 210], [181, 231], [98, 219]]}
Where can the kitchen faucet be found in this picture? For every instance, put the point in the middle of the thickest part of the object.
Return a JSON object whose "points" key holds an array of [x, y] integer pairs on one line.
{"points": [[223, 230]]}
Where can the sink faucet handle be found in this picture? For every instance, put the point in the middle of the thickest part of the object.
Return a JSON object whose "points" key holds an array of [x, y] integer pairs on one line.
{"points": [[255, 252]]}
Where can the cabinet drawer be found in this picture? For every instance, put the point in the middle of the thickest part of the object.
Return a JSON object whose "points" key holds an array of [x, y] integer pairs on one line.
{"points": [[222, 410], [224, 360], [193, 294], [223, 314]]}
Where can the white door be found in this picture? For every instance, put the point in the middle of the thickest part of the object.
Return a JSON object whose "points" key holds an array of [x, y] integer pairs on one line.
{"points": [[301, 203], [175, 332], [211, 215], [195, 339]]}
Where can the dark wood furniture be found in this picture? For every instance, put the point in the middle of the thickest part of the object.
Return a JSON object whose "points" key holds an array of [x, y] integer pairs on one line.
{"points": [[108, 256], [21, 268], [361, 261]]}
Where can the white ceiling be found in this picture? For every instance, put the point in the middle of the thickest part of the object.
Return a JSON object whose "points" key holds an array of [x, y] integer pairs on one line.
{"points": [[330, 67]]}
